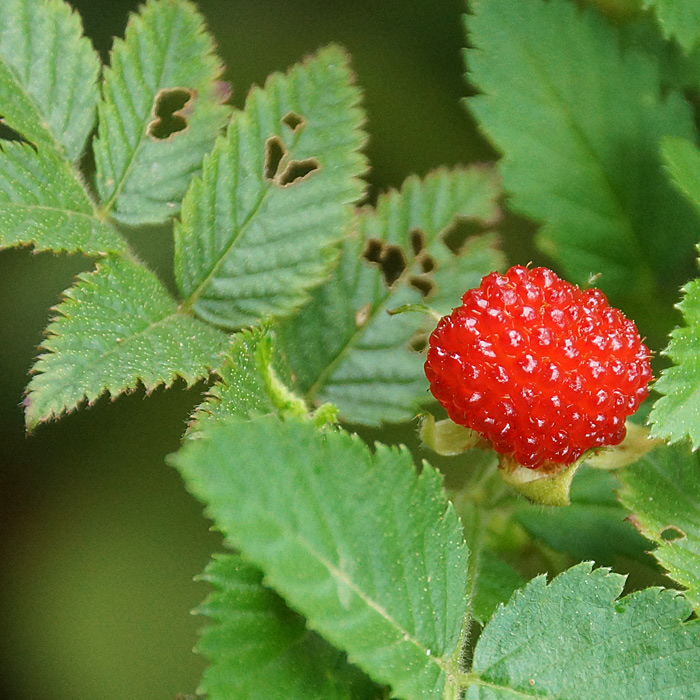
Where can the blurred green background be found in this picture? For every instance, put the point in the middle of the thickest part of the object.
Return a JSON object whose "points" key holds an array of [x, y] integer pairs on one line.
{"points": [[99, 542]]}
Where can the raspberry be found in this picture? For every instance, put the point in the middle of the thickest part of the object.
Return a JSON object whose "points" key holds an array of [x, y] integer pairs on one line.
{"points": [[537, 366]]}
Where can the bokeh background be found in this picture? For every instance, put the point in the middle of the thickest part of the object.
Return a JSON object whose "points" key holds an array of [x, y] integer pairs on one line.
{"points": [[99, 542]]}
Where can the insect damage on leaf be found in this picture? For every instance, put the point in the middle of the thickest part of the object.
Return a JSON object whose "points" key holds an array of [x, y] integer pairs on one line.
{"points": [[171, 111]]}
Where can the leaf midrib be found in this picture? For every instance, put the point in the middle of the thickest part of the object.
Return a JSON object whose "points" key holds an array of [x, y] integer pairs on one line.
{"points": [[627, 226], [109, 204], [196, 294]]}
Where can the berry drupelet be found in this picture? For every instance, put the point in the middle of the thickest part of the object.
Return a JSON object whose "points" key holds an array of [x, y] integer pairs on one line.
{"points": [[537, 366]]}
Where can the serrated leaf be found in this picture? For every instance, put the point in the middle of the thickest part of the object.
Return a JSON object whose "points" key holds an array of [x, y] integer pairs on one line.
{"points": [[679, 19], [254, 239], [117, 327], [48, 92], [343, 347], [676, 415], [252, 365], [579, 123], [43, 204], [48, 75], [160, 112], [369, 552], [259, 648], [572, 639], [663, 492], [593, 527]]}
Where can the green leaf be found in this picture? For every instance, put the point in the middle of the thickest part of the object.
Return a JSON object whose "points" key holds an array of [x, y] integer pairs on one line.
{"points": [[572, 640], [682, 159], [48, 92], [42, 203], [579, 122], [676, 414], [344, 347], [48, 75], [252, 379], [256, 235], [367, 551], [259, 648], [663, 492], [495, 583], [117, 326], [594, 526], [679, 19], [160, 112]]}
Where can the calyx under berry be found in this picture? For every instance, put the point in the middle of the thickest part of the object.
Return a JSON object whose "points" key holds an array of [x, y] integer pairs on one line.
{"points": [[540, 368]]}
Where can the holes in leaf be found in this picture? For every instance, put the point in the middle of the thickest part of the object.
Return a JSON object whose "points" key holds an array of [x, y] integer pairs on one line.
{"points": [[373, 251], [389, 257], [423, 284], [293, 121], [171, 109], [274, 152], [670, 533], [419, 341], [298, 170], [393, 263], [417, 241], [426, 262]]}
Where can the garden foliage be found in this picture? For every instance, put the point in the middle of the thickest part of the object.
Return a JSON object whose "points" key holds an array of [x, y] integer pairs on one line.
{"points": [[352, 573]]}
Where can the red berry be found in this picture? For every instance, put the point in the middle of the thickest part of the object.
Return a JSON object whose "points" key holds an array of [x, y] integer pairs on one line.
{"points": [[537, 366]]}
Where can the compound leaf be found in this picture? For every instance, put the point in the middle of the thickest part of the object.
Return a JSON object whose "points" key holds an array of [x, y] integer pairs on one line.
{"points": [[258, 228], [48, 75], [572, 639], [43, 204], [663, 492], [676, 414], [579, 122], [117, 326], [679, 19], [160, 112], [343, 347], [259, 648], [353, 539]]}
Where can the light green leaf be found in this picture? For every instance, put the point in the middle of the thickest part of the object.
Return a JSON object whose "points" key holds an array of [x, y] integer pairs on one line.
{"points": [[369, 552], [679, 19], [572, 639], [163, 79], [255, 233], [259, 648], [682, 159], [579, 123], [663, 492], [117, 326], [43, 204], [676, 414], [594, 526], [252, 379], [343, 347], [48, 92], [48, 75]]}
